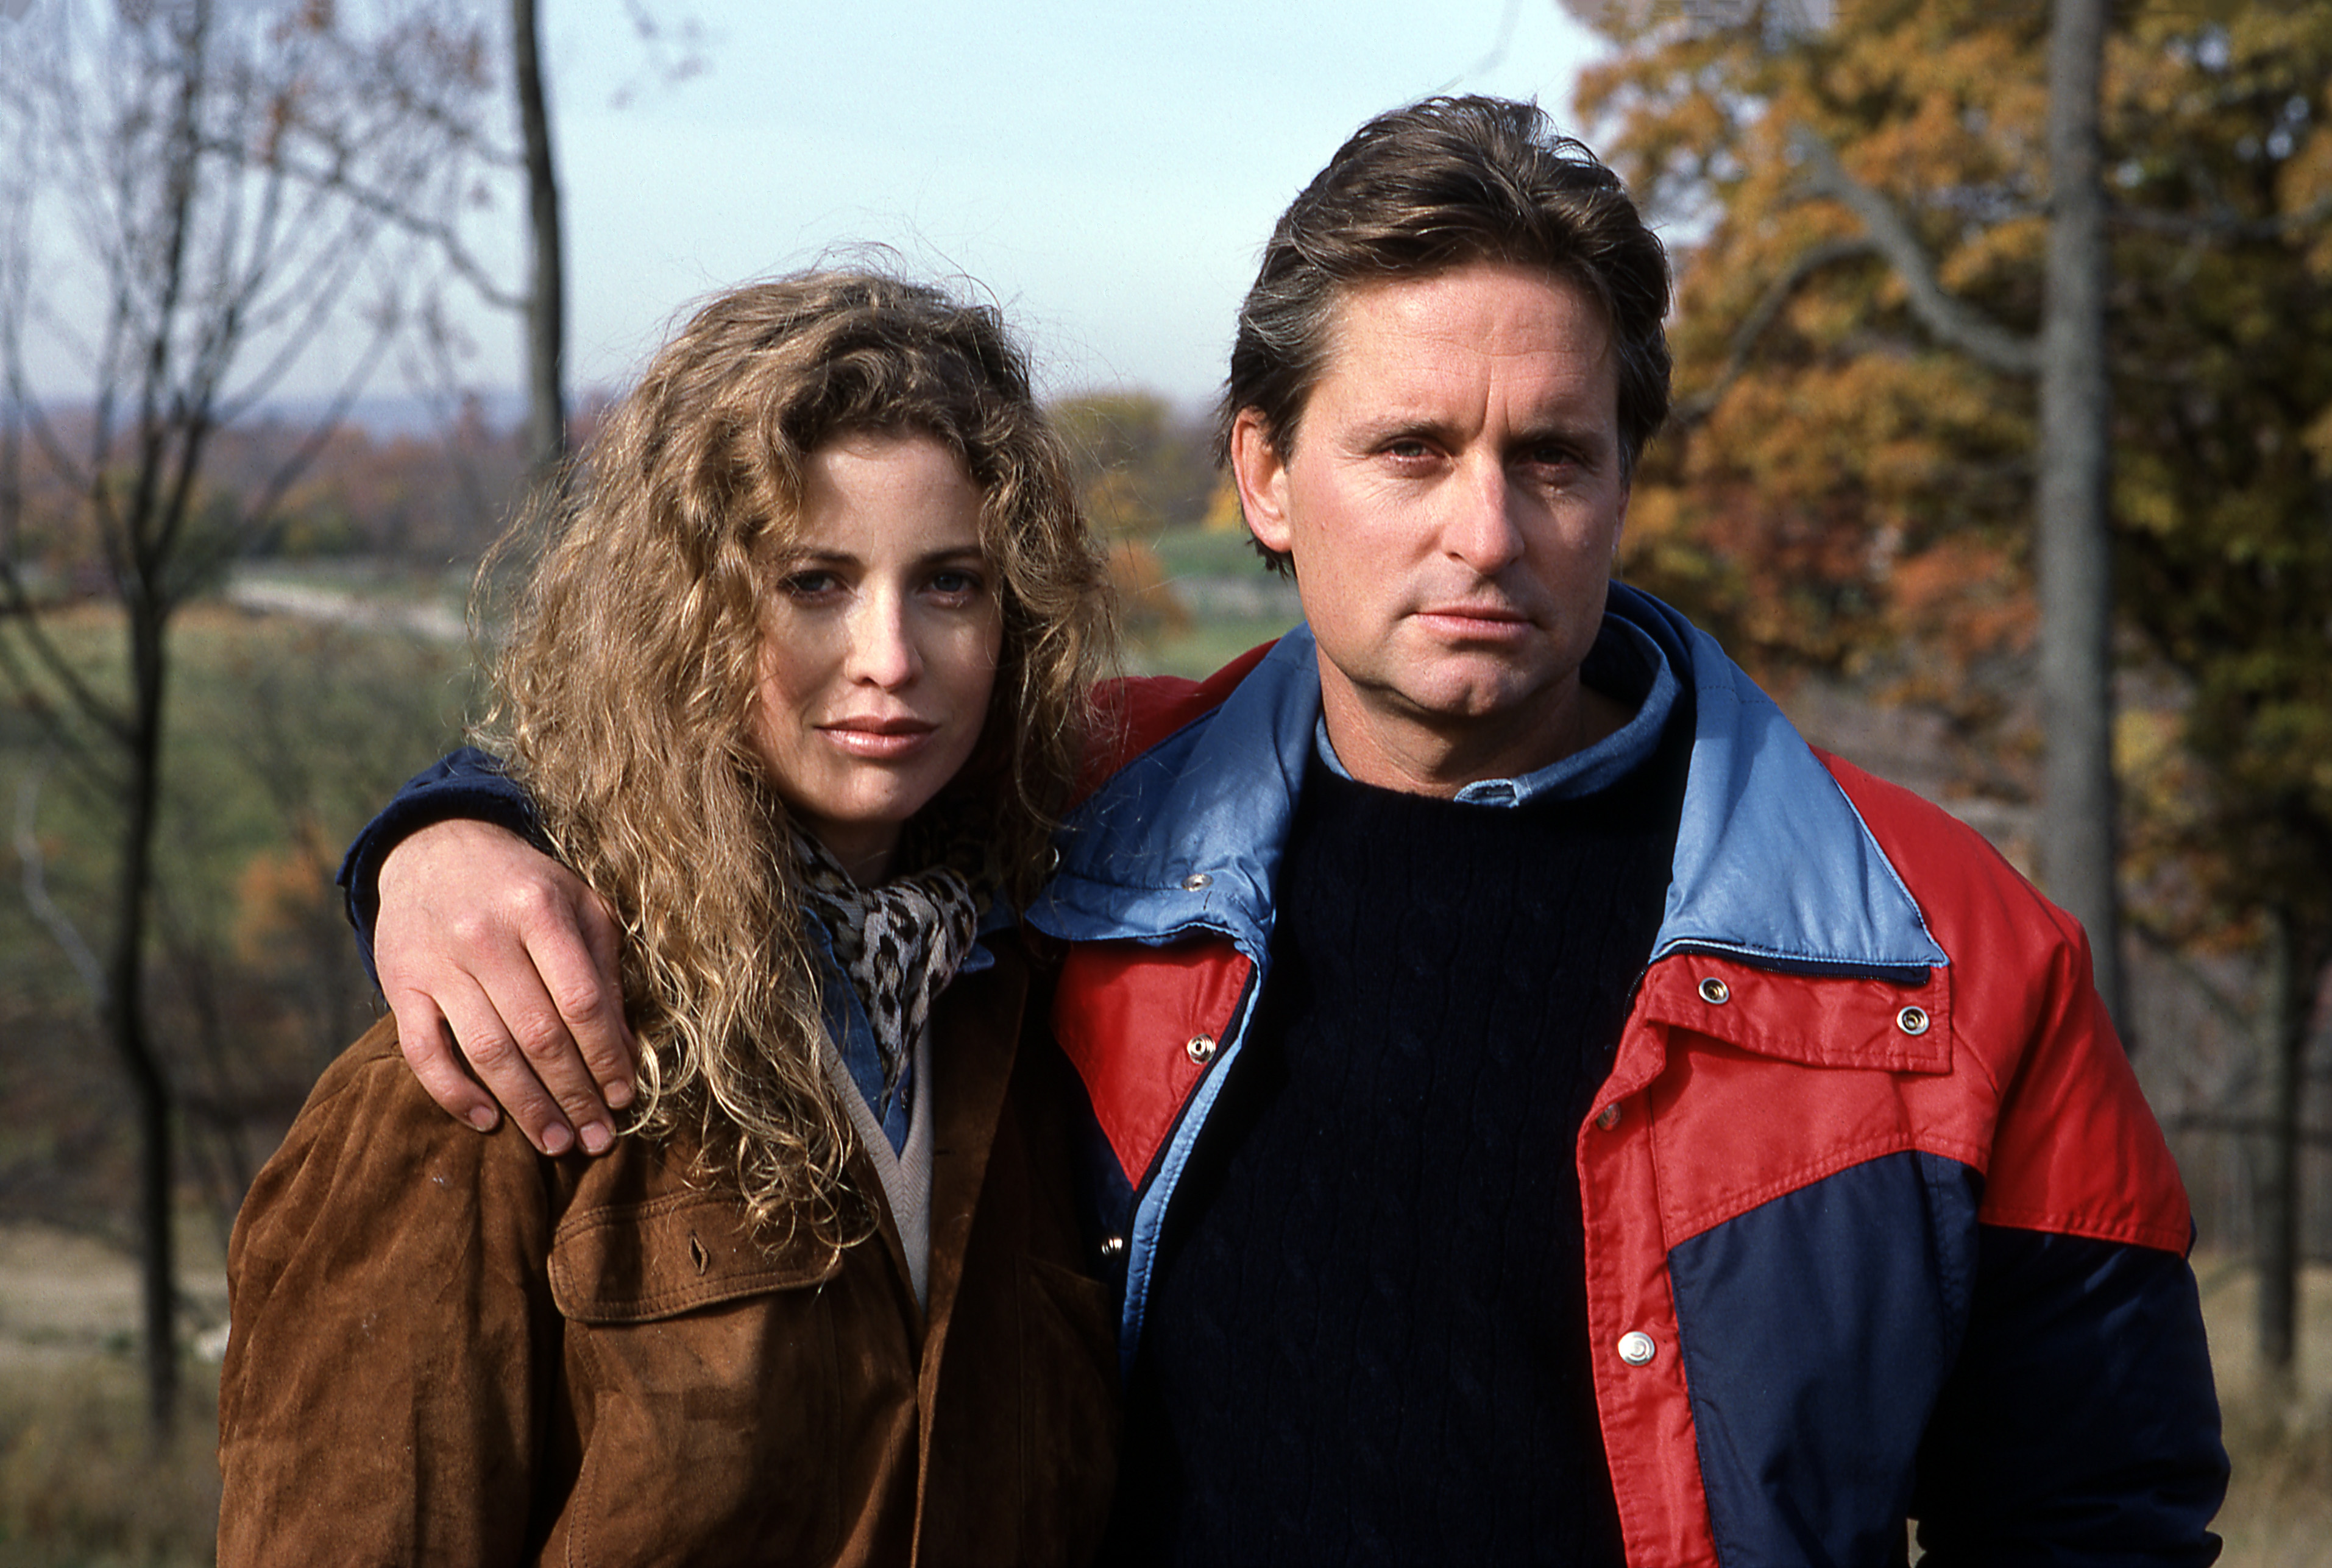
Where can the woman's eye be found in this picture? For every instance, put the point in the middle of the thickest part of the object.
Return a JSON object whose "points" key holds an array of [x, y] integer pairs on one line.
{"points": [[954, 583], [806, 585]]}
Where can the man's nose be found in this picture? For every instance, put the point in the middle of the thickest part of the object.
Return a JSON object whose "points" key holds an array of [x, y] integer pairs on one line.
{"points": [[1482, 529], [882, 650]]}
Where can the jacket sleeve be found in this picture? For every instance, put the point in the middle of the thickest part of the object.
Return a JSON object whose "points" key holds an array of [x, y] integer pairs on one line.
{"points": [[393, 1345], [2079, 1425], [468, 782]]}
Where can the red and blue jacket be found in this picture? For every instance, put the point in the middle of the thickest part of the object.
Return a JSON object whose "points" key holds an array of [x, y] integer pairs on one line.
{"points": [[1878, 1226]]}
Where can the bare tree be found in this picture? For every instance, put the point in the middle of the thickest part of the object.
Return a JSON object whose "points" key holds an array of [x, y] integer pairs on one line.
{"points": [[2080, 807], [200, 199], [546, 298]]}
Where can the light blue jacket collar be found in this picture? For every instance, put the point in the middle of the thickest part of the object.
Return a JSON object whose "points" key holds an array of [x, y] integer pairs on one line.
{"points": [[1772, 863]]}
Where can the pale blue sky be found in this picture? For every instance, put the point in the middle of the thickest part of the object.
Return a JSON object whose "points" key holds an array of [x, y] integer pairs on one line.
{"points": [[1108, 171]]}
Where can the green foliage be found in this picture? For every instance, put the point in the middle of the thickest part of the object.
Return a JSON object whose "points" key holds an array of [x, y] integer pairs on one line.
{"points": [[2225, 392], [285, 737]]}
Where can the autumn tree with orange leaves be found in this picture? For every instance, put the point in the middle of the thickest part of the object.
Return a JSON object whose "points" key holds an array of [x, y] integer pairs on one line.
{"points": [[1851, 482]]}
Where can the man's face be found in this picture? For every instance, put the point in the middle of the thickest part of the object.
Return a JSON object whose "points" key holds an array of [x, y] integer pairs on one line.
{"points": [[1452, 505]]}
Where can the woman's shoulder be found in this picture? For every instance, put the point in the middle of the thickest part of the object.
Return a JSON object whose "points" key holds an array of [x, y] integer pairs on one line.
{"points": [[371, 1154], [368, 1099]]}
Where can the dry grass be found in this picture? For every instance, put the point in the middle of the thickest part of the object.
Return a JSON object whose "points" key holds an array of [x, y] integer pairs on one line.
{"points": [[82, 1484], [2279, 1512]]}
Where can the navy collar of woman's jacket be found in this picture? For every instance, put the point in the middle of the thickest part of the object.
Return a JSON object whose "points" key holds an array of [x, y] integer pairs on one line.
{"points": [[1773, 866]]}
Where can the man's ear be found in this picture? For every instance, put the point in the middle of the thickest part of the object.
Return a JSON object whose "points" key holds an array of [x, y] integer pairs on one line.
{"points": [[1261, 475]]}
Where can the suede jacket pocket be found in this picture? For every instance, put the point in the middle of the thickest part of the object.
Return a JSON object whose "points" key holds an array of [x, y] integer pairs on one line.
{"points": [[632, 1262], [729, 1402]]}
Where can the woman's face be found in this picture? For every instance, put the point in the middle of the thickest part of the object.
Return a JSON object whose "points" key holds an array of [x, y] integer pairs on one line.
{"points": [[879, 643]]}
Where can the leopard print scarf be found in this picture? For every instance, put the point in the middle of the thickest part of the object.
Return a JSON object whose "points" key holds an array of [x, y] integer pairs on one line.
{"points": [[900, 943]]}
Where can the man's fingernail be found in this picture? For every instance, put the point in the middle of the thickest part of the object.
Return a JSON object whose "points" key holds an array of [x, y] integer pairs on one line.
{"points": [[617, 1093], [596, 1137], [484, 1118], [556, 1137]]}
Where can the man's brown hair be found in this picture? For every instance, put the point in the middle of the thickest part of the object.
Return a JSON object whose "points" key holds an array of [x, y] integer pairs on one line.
{"points": [[1433, 186]]}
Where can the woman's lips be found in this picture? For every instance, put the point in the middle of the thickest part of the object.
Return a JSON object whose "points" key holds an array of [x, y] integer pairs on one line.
{"points": [[879, 740]]}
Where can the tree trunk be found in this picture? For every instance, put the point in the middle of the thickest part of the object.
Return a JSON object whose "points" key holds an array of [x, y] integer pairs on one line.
{"points": [[125, 1009], [2078, 836], [2283, 1046], [545, 311]]}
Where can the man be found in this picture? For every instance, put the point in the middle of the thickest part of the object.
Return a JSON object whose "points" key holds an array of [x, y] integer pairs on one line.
{"points": [[1542, 1111]]}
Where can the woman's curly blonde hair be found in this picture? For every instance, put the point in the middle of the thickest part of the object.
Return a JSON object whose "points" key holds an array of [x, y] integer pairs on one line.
{"points": [[628, 687]]}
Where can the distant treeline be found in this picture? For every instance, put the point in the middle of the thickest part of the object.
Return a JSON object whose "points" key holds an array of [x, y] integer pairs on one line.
{"points": [[409, 493]]}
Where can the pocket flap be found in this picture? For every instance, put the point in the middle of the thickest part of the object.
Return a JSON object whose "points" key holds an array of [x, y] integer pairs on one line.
{"points": [[632, 1262], [1843, 1021]]}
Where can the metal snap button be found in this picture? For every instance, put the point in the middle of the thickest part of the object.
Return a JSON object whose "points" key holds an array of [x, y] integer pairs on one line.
{"points": [[1637, 1349], [1112, 1247], [1201, 1049], [1715, 991], [1196, 882], [1609, 1118], [1912, 1020]]}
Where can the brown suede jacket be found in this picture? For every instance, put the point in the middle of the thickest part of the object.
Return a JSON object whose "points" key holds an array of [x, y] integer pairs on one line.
{"points": [[449, 1350]]}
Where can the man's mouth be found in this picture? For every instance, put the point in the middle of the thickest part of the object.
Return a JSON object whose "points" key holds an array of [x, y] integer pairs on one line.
{"points": [[1471, 619]]}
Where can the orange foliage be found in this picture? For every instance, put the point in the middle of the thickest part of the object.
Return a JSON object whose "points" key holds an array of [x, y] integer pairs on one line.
{"points": [[1146, 599], [281, 892], [1844, 493]]}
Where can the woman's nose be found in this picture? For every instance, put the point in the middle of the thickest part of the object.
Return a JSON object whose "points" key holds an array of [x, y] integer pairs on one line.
{"points": [[883, 649]]}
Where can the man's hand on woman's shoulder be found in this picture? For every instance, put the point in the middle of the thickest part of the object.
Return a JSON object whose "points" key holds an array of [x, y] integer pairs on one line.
{"points": [[491, 951]]}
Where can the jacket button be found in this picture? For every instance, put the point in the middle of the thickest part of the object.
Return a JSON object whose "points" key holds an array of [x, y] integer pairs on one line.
{"points": [[1637, 1349], [1609, 1118], [1112, 1248], [1715, 991], [1912, 1020], [1196, 882], [1201, 1049]]}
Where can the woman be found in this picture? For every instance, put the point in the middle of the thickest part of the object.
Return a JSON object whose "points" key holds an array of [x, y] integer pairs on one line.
{"points": [[796, 688]]}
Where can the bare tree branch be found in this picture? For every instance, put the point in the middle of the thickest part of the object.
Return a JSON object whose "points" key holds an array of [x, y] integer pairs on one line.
{"points": [[2222, 223], [1956, 323], [32, 861], [1762, 316]]}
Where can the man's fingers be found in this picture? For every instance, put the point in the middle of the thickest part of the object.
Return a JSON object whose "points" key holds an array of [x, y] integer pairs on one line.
{"points": [[583, 983], [548, 1057], [519, 959], [492, 1047], [428, 1049]]}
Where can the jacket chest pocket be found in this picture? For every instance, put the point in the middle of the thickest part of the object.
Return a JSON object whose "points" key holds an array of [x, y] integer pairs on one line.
{"points": [[726, 1403], [1769, 1083]]}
